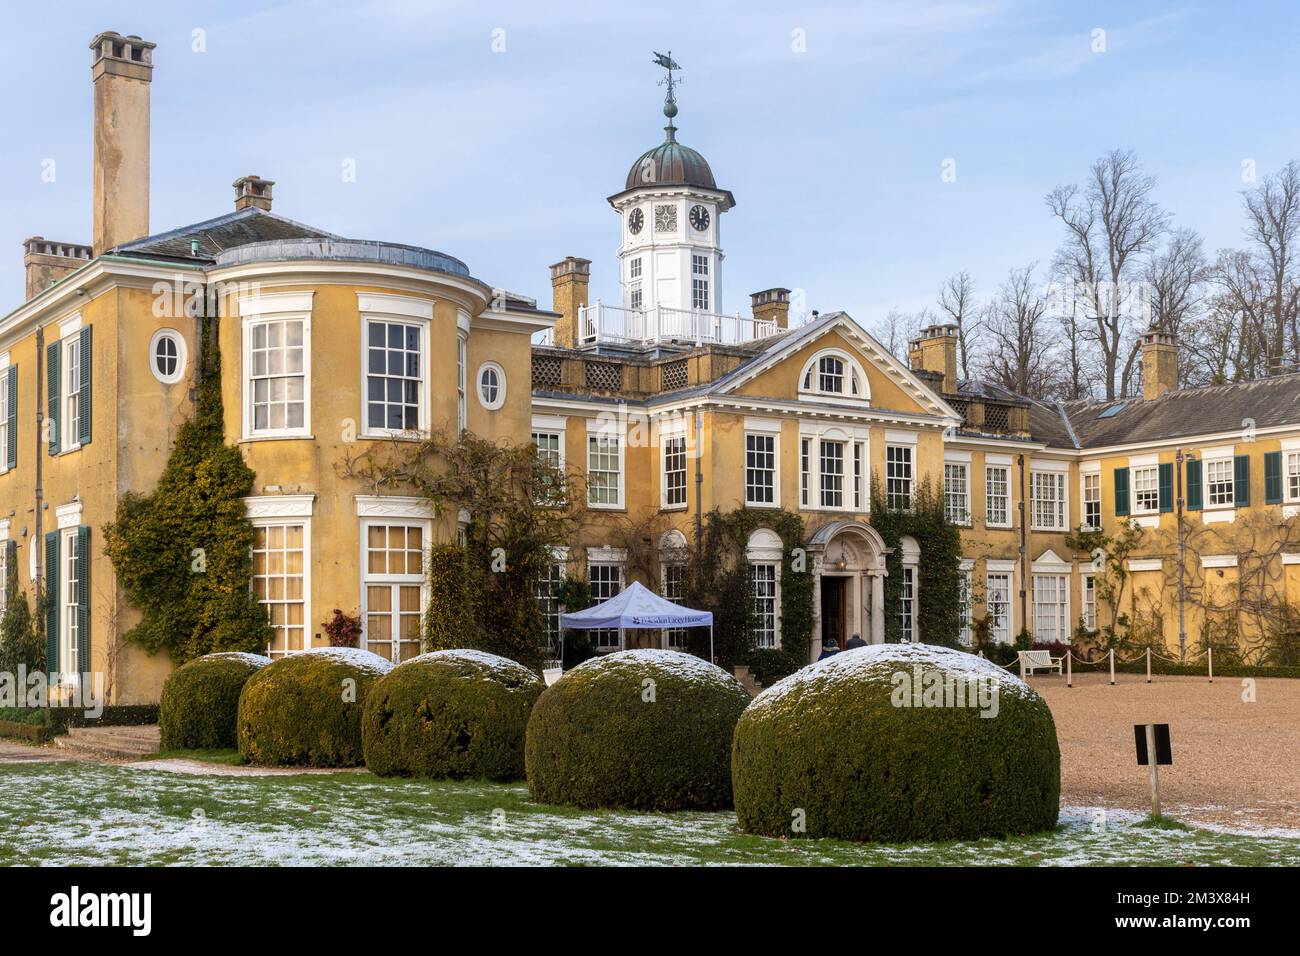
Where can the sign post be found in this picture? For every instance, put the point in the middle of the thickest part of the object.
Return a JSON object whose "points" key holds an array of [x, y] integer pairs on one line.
{"points": [[1153, 749]]}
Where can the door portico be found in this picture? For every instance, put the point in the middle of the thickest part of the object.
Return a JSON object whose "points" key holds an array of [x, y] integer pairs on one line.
{"points": [[851, 552]]}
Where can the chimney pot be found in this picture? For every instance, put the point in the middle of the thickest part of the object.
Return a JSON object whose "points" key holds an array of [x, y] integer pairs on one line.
{"points": [[253, 190], [771, 305], [1159, 363], [935, 350]]}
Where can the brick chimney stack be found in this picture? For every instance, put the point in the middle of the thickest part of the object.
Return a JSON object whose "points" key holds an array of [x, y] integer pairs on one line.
{"points": [[1159, 363], [771, 305], [935, 350], [122, 72], [253, 191], [569, 282], [46, 262]]}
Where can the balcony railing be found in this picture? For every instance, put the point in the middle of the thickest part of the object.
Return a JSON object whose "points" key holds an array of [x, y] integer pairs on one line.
{"points": [[599, 323]]}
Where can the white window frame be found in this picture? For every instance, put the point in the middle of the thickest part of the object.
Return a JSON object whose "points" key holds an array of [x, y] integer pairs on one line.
{"points": [[617, 566], [182, 355], [990, 497], [967, 634], [1144, 479], [462, 371], [701, 300], [1060, 502], [70, 391], [408, 517], [1089, 477], [275, 307], [493, 368], [1291, 475], [909, 598], [765, 549], [603, 432], [891, 460], [1088, 590], [1208, 484], [772, 435], [673, 443], [956, 471], [395, 310], [856, 390], [69, 626], [5, 371], [1005, 632], [855, 467], [672, 638], [267, 511], [1051, 620]]}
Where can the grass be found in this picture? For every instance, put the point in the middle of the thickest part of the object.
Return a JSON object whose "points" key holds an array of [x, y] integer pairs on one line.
{"points": [[1155, 821], [82, 813]]}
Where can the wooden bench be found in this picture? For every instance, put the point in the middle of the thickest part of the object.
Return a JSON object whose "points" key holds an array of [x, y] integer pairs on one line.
{"points": [[1041, 659]]}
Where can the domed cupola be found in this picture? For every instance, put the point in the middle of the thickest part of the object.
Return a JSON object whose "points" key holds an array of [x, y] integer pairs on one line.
{"points": [[671, 252]]}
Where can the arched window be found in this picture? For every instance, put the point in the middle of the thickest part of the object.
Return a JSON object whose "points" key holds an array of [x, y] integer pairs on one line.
{"points": [[834, 373]]}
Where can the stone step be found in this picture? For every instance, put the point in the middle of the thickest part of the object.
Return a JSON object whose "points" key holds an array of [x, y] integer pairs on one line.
{"points": [[747, 680], [128, 743]]}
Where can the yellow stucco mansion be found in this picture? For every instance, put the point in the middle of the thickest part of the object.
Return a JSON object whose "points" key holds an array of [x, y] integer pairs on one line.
{"points": [[666, 405]]}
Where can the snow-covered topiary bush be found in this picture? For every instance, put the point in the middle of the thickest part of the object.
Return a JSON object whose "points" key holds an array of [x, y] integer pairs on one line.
{"points": [[897, 742], [200, 700], [305, 709], [641, 729], [454, 713]]}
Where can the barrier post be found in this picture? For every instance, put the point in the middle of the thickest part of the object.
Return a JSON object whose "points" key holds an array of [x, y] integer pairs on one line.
{"points": [[1209, 656], [1148, 665], [1112, 666], [1069, 670]]}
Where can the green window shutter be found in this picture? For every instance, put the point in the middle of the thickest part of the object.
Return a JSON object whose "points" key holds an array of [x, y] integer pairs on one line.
{"points": [[1121, 492], [83, 600], [52, 602], [83, 394], [1273, 478], [1193, 484], [11, 388], [52, 381], [1241, 481], [1166, 487]]}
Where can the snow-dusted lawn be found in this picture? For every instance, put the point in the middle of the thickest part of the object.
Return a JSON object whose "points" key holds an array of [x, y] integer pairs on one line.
{"points": [[89, 813]]}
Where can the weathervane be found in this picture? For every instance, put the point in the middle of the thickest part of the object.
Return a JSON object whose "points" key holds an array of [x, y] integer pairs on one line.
{"points": [[670, 102]]}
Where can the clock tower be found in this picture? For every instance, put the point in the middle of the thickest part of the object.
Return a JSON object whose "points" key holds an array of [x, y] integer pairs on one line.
{"points": [[670, 254]]}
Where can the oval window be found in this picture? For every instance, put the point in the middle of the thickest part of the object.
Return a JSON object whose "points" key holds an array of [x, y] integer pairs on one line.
{"points": [[491, 385], [167, 356]]}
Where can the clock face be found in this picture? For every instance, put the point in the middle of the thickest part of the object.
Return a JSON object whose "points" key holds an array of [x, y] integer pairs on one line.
{"points": [[635, 220], [666, 218], [699, 218]]}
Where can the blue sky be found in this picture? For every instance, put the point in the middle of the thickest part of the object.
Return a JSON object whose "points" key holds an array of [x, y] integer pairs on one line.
{"points": [[504, 159]]}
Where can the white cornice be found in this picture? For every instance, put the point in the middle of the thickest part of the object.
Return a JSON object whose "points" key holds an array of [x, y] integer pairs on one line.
{"points": [[279, 506], [498, 321], [470, 293]]}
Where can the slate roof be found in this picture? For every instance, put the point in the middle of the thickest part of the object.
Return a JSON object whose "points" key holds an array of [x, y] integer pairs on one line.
{"points": [[238, 228]]}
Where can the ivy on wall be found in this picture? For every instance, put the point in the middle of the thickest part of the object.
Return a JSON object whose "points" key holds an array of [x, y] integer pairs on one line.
{"points": [[183, 553], [939, 575], [719, 580]]}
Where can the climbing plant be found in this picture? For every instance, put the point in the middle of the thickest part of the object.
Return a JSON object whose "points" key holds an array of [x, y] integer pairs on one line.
{"points": [[20, 644], [719, 580], [520, 509], [183, 553], [1112, 551], [939, 586]]}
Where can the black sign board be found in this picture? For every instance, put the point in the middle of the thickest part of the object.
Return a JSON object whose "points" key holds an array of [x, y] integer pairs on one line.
{"points": [[1164, 755]]}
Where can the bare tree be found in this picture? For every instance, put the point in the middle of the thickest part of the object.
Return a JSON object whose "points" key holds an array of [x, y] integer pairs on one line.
{"points": [[957, 301], [897, 329], [1111, 223], [1175, 284], [1272, 229], [1019, 353]]}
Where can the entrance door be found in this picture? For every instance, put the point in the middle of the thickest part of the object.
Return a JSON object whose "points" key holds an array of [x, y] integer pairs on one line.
{"points": [[835, 608]]}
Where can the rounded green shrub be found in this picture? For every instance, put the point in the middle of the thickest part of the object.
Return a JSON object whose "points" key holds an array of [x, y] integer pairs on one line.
{"points": [[200, 700], [894, 743], [305, 709], [453, 713], [641, 729]]}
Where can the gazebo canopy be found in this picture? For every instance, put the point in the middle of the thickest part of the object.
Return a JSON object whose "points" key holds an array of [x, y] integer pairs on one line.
{"points": [[636, 606]]}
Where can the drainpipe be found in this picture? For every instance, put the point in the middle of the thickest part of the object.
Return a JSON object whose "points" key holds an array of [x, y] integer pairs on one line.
{"points": [[38, 538], [1024, 550], [699, 492], [1179, 458]]}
